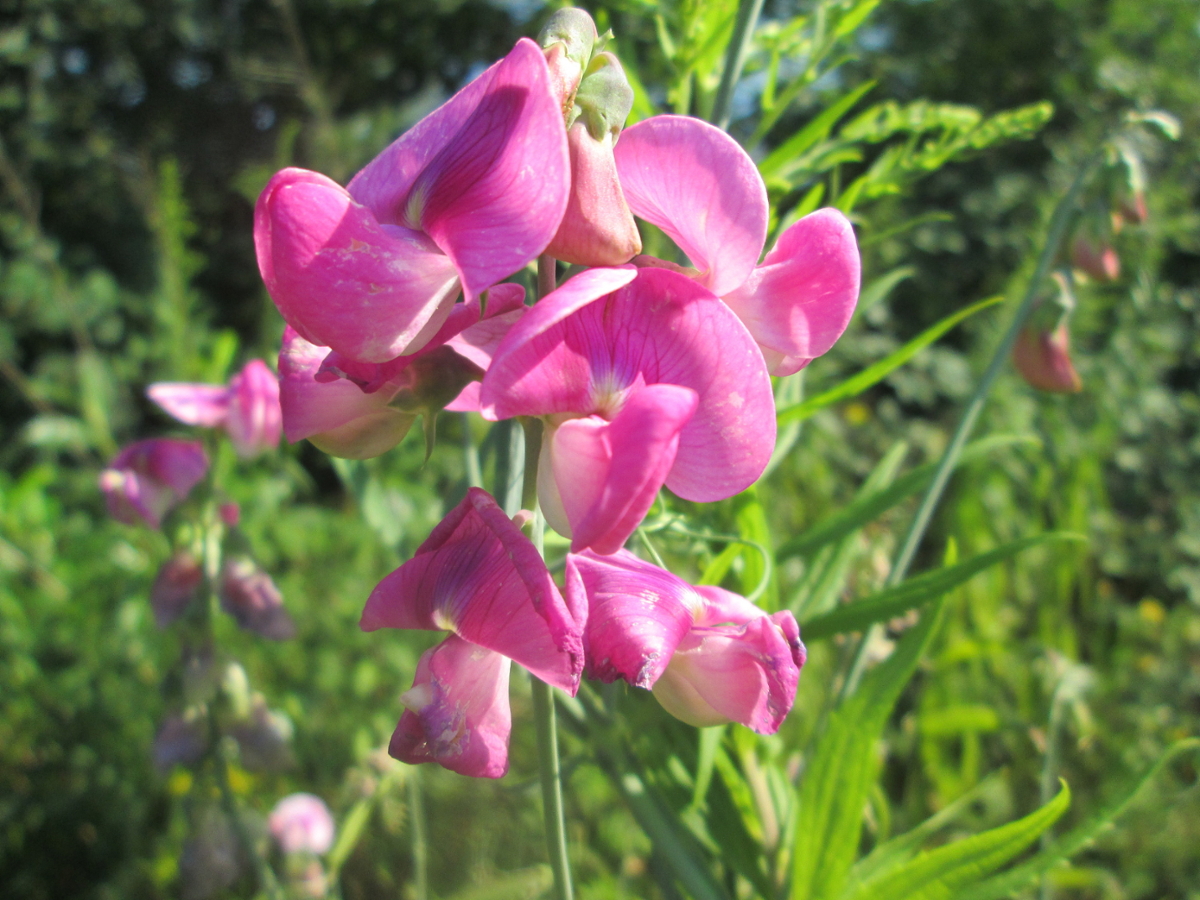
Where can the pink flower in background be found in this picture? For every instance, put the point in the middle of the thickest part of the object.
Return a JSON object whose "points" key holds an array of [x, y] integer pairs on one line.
{"points": [[709, 655], [360, 410], [644, 379], [149, 478], [480, 578], [302, 823], [1044, 359], [248, 409], [175, 587], [249, 595], [470, 194], [699, 186]]}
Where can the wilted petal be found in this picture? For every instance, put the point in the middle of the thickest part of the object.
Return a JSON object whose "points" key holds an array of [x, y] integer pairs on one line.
{"points": [[743, 673], [607, 474], [205, 405], [458, 714], [342, 279], [148, 478], [698, 185], [800, 300], [480, 577], [637, 614]]}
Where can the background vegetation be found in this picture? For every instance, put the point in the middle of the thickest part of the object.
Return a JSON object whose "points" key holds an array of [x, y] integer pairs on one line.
{"points": [[134, 136]]}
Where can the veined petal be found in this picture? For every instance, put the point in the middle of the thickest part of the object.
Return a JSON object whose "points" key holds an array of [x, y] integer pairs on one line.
{"points": [[698, 185], [342, 280], [800, 300], [608, 473], [458, 714], [743, 673], [637, 614], [480, 577], [205, 405]]}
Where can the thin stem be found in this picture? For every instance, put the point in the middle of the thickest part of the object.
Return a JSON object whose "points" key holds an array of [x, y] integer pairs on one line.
{"points": [[735, 59], [551, 779], [547, 275], [420, 844], [1059, 222]]}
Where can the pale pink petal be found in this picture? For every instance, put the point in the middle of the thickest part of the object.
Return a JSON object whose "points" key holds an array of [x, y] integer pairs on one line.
{"points": [[148, 478], [457, 711], [800, 300], [205, 405], [254, 423], [608, 473], [480, 577], [302, 823], [342, 280], [698, 185], [467, 399], [743, 673], [637, 614]]}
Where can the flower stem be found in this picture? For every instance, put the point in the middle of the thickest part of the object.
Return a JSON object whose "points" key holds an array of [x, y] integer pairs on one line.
{"points": [[735, 59], [1059, 222]]}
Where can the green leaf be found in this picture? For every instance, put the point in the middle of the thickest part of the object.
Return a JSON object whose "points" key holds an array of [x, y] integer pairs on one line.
{"points": [[895, 601], [1077, 838], [880, 287], [816, 130], [943, 873], [869, 505], [875, 373], [850, 22], [838, 780]]}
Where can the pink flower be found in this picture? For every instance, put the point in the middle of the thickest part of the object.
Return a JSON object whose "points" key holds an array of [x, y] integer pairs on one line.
{"points": [[1044, 359], [149, 478], [709, 655], [248, 409], [699, 186], [360, 410], [175, 587], [302, 823], [479, 577], [249, 595], [644, 378], [469, 195]]}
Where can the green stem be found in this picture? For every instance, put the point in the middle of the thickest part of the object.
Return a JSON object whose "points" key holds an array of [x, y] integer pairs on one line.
{"points": [[1059, 222], [420, 844], [735, 59]]}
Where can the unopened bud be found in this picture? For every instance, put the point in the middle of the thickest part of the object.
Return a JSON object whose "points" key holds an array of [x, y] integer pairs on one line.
{"points": [[175, 587], [182, 740], [1044, 360], [1096, 260], [605, 98], [568, 38], [249, 595]]}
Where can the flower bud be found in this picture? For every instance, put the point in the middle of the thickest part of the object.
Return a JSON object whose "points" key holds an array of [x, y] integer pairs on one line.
{"points": [[174, 588], [249, 595], [230, 514], [149, 478], [1041, 353], [568, 38], [1133, 208], [182, 740], [302, 823], [1097, 260]]}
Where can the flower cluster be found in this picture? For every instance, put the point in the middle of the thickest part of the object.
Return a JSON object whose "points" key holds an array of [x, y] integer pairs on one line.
{"points": [[644, 372]]}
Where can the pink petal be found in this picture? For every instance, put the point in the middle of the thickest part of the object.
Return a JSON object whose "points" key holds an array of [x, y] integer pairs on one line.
{"points": [[458, 714], [637, 614], [608, 473], [255, 422], [743, 673], [699, 186], [486, 176], [478, 340], [302, 823], [800, 300], [148, 478], [340, 278], [205, 405], [480, 577]]}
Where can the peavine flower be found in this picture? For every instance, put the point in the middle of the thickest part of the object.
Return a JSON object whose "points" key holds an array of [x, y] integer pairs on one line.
{"points": [[175, 587], [360, 410], [644, 378], [249, 594], [302, 823], [1042, 351], [147, 479], [480, 578], [709, 655], [248, 409], [700, 187], [470, 194]]}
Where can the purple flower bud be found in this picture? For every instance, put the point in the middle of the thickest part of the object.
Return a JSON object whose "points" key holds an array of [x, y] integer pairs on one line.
{"points": [[174, 588], [182, 740], [149, 478], [302, 823], [249, 595]]}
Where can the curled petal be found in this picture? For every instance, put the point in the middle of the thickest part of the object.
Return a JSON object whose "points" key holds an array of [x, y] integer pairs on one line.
{"points": [[607, 474], [637, 614], [457, 711], [343, 280], [743, 673], [205, 405], [698, 185], [480, 577], [800, 300]]}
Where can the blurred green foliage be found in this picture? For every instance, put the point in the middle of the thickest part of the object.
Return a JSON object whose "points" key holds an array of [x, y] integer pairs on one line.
{"points": [[134, 135]]}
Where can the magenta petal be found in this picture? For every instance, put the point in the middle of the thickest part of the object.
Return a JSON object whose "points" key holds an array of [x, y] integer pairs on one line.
{"points": [[698, 185], [340, 278], [743, 673], [629, 459], [637, 614], [254, 422], [148, 478], [205, 405], [458, 714], [800, 300], [480, 577]]}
